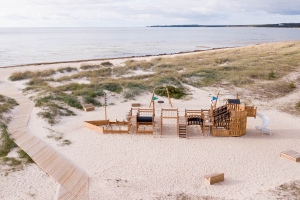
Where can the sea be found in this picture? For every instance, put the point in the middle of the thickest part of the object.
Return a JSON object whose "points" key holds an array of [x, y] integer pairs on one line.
{"points": [[19, 46]]}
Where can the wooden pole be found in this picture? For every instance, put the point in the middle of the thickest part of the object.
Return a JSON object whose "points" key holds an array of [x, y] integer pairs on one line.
{"points": [[151, 101], [215, 103], [169, 97], [105, 102], [237, 96]]}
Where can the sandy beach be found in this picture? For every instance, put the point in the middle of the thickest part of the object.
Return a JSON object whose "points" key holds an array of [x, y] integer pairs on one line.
{"points": [[137, 166]]}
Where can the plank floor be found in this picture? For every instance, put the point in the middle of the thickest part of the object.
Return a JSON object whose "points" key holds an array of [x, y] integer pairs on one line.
{"points": [[74, 183]]}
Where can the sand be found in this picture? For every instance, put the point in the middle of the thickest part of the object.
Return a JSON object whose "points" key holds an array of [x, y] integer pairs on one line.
{"points": [[122, 166]]}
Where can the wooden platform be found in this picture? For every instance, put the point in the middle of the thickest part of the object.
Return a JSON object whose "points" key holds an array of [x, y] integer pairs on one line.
{"points": [[291, 155], [214, 178], [74, 181]]}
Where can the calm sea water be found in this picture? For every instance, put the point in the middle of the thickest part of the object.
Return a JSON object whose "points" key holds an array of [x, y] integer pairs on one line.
{"points": [[36, 45]]}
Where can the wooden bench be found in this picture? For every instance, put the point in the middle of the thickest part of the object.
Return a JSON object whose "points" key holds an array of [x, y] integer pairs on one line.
{"points": [[88, 107], [135, 105], [214, 178], [291, 155]]}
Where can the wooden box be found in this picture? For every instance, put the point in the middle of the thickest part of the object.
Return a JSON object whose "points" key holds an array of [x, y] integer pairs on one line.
{"points": [[214, 178], [135, 105], [291, 155], [88, 107]]}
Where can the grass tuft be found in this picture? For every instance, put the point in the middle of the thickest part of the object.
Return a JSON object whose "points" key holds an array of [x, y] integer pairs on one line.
{"points": [[66, 69], [29, 74]]}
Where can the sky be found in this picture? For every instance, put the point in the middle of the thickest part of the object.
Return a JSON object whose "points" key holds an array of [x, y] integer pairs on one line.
{"points": [[141, 13]]}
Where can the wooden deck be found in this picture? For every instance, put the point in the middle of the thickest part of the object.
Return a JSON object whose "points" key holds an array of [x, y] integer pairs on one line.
{"points": [[74, 182]]}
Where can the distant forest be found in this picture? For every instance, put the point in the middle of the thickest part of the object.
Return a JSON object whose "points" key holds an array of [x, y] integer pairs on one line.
{"points": [[280, 25]]}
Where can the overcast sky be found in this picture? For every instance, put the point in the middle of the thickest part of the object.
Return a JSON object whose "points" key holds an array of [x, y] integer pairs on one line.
{"points": [[140, 13]]}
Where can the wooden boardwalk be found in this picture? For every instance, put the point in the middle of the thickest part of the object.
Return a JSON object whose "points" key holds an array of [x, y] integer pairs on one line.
{"points": [[74, 182]]}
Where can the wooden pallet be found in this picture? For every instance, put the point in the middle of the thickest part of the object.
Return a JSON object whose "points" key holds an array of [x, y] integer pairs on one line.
{"points": [[214, 178], [291, 155], [73, 180]]}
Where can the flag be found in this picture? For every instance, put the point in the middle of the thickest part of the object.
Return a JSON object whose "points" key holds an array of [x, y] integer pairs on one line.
{"points": [[154, 98], [214, 98]]}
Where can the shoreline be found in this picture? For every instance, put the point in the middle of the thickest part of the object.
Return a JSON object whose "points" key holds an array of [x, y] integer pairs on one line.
{"points": [[116, 58]]}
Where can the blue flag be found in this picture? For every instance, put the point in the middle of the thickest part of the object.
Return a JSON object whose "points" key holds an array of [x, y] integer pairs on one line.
{"points": [[214, 98]]}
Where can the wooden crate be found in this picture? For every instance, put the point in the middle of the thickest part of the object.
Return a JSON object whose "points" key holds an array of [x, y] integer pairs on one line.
{"points": [[214, 178], [291, 155]]}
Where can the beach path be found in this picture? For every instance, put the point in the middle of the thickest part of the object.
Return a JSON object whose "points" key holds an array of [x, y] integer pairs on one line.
{"points": [[73, 182]]}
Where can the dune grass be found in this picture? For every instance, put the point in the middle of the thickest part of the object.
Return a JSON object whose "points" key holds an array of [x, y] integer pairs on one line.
{"points": [[258, 68], [29, 74], [6, 143], [66, 69]]}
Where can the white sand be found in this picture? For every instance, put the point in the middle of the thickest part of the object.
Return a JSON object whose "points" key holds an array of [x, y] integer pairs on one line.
{"points": [[131, 166]]}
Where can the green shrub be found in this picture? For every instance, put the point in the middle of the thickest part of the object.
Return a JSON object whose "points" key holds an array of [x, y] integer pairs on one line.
{"points": [[88, 99], [174, 92], [11, 161], [271, 75], [107, 64], [111, 86], [292, 85], [298, 104], [67, 69]]}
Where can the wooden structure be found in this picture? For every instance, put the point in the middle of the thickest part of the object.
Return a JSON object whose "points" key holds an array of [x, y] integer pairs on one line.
{"points": [[74, 183], [169, 114], [152, 101], [227, 120], [192, 117], [231, 119], [291, 155], [214, 178], [88, 107], [145, 121], [106, 126]]}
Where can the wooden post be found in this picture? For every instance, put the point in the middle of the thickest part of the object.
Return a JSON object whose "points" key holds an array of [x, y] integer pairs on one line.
{"points": [[169, 97], [237, 96], [105, 102], [215, 103], [152, 98]]}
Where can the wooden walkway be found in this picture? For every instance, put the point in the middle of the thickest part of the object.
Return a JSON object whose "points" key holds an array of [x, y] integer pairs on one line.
{"points": [[74, 182]]}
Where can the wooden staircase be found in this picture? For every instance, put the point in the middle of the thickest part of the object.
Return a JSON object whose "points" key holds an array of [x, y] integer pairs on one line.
{"points": [[182, 130]]}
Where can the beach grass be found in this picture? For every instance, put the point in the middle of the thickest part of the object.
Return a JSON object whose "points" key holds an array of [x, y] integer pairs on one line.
{"points": [[66, 69], [260, 69], [6, 143]]}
